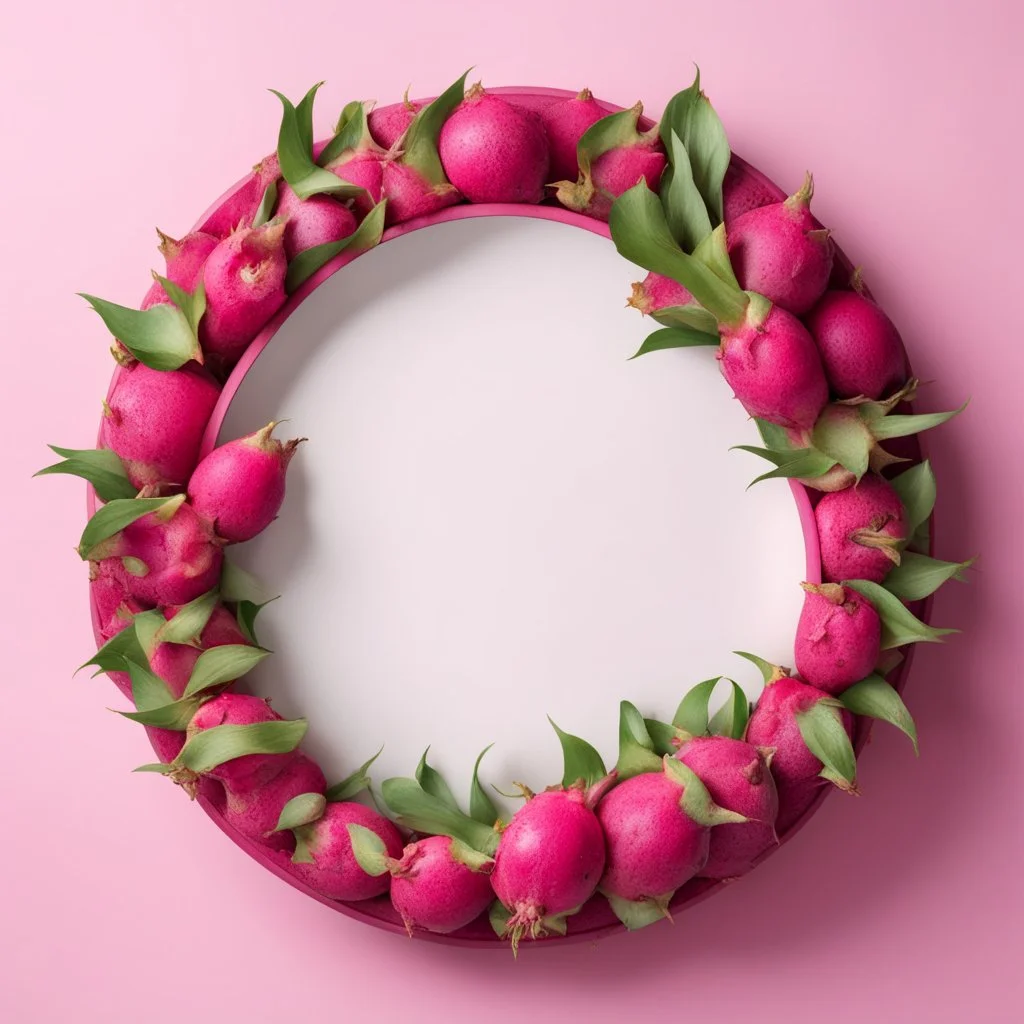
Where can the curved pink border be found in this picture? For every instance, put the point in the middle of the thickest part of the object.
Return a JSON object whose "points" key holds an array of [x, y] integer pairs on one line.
{"points": [[596, 919]]}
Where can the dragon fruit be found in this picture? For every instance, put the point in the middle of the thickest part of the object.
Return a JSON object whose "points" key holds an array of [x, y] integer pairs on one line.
{"points": [[565, 123], [861, 531], [493, 152], [313, 221], [613, 155], [240, 207], [244, 279], [860, 348], [738, 779], [155, 420], [184, 263], [166, 557], [549, 860], [239, 487], [838, 637], [779, 252]]}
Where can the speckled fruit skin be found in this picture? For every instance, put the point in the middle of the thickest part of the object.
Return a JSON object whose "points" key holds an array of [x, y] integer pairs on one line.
{"points": [[551, 855], [334, 872], [313, 221], [180, 559], [773, 724], [656, 292], [246, 773], [653, 846], [773, 369], [255, 811], [837, 643], [738, 779], [870, 505], [775, 252], [184, 259], [493, 152], [861, 350], [240, 208], [410, 195], [433, 891], [388, 124], [565, 123], [155, 421]]}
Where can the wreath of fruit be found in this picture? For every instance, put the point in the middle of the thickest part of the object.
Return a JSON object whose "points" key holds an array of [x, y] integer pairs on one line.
{"points": [[733, 265]]}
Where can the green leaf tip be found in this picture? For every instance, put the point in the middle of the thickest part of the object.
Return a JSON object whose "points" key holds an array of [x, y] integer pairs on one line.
{"points": [[899, 625], [301, 810], [696, 802], [368, 849], [581, 762], [161, 337], [873, 697], [100, 467], [822, 729], [354, 783], [636, 748]]}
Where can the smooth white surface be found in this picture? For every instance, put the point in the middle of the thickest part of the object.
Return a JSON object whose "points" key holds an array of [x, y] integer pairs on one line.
{"points": [[496, 515]]}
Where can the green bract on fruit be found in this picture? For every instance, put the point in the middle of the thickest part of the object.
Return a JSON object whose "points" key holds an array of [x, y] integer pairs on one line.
{"points": [[731, 264]]}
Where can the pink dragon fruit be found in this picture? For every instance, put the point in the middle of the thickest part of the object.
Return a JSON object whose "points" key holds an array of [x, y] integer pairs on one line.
{"points": [[565, 123], [549, 861], [861, 531], [244, 278], [240, 207], [613, 163], [167, 557], [493, 152], [324, 858], [388, 124], [313, 221], [656, 292], [155, 420], [737, 776], [742, 192], [779, 252], [860, 348], [184, 259], [838, 637], [239, 487], [771, 363]]}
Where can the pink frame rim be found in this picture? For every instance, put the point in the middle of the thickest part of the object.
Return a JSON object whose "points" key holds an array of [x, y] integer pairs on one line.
{"points": [[598, 922]]}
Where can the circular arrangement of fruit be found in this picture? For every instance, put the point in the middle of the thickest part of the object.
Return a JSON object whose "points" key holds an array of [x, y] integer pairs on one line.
{"points": [[733, 265]]}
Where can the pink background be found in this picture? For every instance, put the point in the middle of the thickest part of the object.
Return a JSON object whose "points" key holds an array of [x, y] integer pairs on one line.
{"points": [[122, 902]]}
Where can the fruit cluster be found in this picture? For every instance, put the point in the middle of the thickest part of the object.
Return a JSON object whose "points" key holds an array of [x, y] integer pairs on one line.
{"points": [[804, 348]]}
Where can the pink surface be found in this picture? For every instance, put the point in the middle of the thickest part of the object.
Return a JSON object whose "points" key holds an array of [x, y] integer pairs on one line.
{"points": [[903, 905]]}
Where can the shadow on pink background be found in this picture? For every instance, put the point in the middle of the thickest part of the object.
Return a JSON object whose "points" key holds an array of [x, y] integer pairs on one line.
{"points": [[123, 903]]}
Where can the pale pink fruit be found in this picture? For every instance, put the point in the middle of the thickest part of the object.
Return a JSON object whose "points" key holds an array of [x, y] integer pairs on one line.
{"points": [[184, 259], [313, 221], [166, 557], [432, 890], [155, 420], [773, 723], [410, 194], [493, 152], [334, 871], [838, 637], [388, 124], [772, 366], [240, 207], [565, 123], [244, 278], [255, 811], [860, 348], [240, 775], [549, 860], [737, 777], [742, 191], [779, 252], [240, 486], [657, 292], [654, 847], [861, 530]]}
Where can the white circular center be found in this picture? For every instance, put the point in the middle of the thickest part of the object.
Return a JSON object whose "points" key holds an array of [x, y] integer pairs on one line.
{"points": [[497, 517]]}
